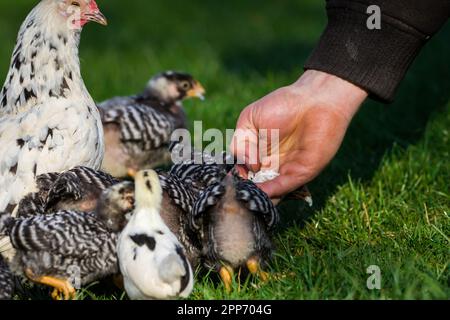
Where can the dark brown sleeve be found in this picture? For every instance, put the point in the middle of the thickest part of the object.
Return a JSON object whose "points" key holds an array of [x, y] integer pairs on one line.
{"points": [[376, 60]]}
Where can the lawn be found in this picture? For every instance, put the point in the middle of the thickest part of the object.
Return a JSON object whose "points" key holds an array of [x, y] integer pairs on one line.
{"points": [[384, 200]]}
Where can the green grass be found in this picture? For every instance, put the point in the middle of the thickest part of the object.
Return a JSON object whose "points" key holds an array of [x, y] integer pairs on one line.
{"points": [[385, 198]]}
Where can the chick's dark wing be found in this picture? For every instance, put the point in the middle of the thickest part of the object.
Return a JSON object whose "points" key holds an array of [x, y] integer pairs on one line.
{"points": [[178, 192], [207, 199], [141, 125], [258, 202], [67, 186]]}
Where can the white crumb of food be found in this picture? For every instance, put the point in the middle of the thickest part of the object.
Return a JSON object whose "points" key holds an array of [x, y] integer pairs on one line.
{"points": [[309, 201], [263, 176]]}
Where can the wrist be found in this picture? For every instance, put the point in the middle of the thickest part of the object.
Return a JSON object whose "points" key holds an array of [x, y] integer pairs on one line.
{"points": [[326, 90]]}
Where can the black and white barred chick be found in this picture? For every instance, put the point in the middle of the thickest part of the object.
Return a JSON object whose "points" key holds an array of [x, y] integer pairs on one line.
{"points": [[78, 189], [6, 281], [183, 185], [152, 260], [235, 219], [61, 248], [200, 169], [138, 128]]}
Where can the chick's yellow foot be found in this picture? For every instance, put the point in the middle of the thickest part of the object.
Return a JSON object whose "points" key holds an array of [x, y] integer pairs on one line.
{"points": [[64, 291], [226, 274], [254, 267], [61, 287], [264, 276]]}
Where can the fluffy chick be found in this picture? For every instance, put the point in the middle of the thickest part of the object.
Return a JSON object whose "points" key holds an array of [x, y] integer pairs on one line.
{"points": [[152, 260], [138, 128], [234, 219], [200, 169], [78, 189], [55, 249], [177, 202]]}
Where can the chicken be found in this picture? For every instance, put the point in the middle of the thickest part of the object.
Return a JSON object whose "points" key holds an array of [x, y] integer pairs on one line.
{"points": [[69, 248], [6, 281], [235, 220], [200, 169], [152, 260], [138, 129], [77, 189], [177, 202], [48, 120], [80, 189]]}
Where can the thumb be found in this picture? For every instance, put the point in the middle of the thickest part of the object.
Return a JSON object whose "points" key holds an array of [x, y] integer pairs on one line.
{"points": [[245, 148], [242, 171]]}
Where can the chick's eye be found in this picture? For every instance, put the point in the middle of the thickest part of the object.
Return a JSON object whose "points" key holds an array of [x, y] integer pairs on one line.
{"points": [[185, 85]]}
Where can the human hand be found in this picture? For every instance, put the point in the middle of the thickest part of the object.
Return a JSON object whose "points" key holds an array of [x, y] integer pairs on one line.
{"points": [[312, 116]]}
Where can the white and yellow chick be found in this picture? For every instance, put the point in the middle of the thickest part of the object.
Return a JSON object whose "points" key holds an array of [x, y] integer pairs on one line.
{"points": [[151, 259]]}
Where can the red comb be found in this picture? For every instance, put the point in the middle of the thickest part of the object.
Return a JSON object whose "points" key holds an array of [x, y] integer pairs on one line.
{"points": [[93, 5]]}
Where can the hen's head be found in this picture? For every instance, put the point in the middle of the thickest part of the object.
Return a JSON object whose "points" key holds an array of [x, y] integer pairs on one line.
{"points": [[172, 86], [74, 13]]}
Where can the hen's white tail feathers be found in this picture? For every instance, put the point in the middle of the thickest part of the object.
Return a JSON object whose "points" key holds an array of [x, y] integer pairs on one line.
{"points": [[172, 269], [4, 201]]}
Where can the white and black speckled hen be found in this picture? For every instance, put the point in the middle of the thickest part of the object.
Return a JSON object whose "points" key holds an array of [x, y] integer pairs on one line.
{"points": [[48, 120]]}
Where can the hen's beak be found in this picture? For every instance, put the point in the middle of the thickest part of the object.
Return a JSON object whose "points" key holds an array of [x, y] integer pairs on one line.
{"points": [[98, 17], [198, 91]]}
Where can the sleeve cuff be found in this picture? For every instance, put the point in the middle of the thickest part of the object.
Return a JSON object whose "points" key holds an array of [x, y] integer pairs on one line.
{"points": [[375, 60]]}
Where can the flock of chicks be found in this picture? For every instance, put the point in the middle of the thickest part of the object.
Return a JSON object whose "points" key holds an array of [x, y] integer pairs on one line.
{"points": [[64, 213], [154, 231]]}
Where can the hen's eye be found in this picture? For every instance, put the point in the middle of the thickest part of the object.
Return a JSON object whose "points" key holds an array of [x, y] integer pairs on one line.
{"points": [[76, 4]]}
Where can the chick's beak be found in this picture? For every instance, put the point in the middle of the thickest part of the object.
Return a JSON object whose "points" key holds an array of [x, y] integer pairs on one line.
{"points": [[198, 91], [97, 16], [132, 173]]}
